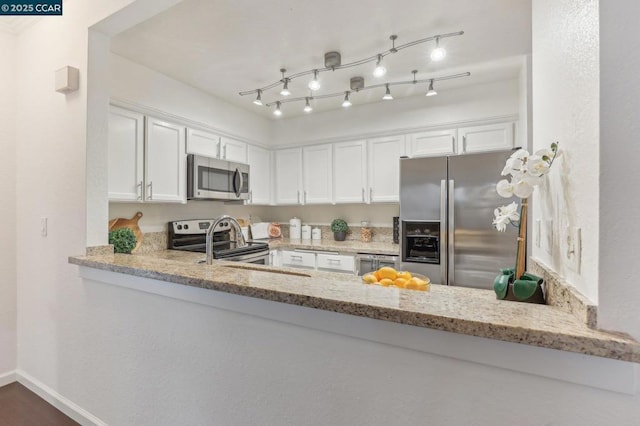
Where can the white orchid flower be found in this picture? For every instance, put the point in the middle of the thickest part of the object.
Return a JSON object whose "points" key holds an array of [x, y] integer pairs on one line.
{"points": [[504, 189], [521, 154], [512, 165], [537, 165], [523, 188], [505, 215]]}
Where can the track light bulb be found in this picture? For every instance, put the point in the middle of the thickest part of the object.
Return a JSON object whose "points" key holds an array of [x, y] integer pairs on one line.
{"points": [[277, 112], [285, 89], [431, 91], [314, 84], [258, 100], [307, 107], [438, 53], [387, 96], [379, 70], [346, 103]]}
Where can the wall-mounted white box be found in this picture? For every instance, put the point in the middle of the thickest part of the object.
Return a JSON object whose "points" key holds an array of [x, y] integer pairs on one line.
{"points": [[67, 79]]}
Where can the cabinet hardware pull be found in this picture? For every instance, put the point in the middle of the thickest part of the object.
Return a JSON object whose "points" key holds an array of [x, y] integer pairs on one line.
{"points": [[305, 197], [151, 190], [298, 197], [225, 153], [250, 196], [333, 260], [370, 195], [139, 192], [363, 194]]}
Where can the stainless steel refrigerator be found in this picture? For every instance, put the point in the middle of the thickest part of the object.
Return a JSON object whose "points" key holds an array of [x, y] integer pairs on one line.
{"points": [[446, 214]]}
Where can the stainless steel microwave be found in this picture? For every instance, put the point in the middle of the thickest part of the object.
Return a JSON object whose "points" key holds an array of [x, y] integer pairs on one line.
{"points": [[214, 179]]}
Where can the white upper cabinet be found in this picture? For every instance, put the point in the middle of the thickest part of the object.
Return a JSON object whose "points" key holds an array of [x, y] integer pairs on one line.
{"points": [[384, 168], [490, 137], [425, 144], [233, 150], [203, 143], [126, 155], [317, 174], [350, 172], [259, 160], [288, 172], [165, 172]]}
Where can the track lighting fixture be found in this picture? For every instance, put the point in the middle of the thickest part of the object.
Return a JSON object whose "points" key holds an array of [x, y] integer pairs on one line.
{"points": [[307, 107], [314, 84], [277, 112], [439, 52], [379, 70], [346, 103], [431, 91], [333, 62], [387, 96], [357, 85], [258, 100], [285, 89]]}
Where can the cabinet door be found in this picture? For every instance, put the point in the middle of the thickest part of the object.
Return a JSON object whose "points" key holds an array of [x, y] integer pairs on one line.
{"points": [[288, 170], [490, 137], [126, 155], [233, 150], [203, 143], [317, 174], [425, 144], [259, 160], [166, 162], [350, 172], [384, 168], [298, 259]]}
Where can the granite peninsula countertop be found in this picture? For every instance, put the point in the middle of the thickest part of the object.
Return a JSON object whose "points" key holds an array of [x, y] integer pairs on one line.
{"points": [[349, 246], [454, 309]]}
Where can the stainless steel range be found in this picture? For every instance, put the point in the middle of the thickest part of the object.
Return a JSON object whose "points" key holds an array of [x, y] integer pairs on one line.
{"points": [[190, 235]]}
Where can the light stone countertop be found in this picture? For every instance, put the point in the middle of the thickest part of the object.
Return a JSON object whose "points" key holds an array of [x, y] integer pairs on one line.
{"points": [[454, 309], [349, 246]]}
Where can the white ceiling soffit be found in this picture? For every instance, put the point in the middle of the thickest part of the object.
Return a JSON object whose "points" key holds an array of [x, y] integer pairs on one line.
{"points": [[226, 46]]}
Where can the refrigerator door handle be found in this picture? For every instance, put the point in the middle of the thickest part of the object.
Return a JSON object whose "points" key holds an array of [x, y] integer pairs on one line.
{"points": [[443, 220], [451, 233]]}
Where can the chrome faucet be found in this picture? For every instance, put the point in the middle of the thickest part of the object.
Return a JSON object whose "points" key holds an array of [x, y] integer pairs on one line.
{"points": [[240, 241]]}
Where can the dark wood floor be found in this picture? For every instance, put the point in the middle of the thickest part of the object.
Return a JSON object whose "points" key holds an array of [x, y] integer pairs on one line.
{"points": [[21, 407]]}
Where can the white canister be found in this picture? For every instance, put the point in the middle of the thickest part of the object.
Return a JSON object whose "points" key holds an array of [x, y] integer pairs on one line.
{"points": [[306, 232], [316, 234], [295, 228]]}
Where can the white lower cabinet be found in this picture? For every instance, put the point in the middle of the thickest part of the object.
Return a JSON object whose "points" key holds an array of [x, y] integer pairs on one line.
{"points": [[298, 259], [275, 258], [490, 137], [336, 262]]}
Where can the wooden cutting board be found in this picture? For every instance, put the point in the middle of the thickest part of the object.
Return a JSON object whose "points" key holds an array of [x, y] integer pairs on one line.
{"points": [[131, 224]]}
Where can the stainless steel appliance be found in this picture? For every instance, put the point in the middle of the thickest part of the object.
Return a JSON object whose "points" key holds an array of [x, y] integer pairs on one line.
{"points": [[215, 179], [446, 212], [369, 262], [190, 235]]}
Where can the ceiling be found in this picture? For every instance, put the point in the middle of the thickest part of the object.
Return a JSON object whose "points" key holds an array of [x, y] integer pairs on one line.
{"points": [[227, 46]]}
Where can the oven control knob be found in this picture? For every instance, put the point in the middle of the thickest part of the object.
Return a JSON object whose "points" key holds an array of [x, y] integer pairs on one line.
{"points": [[179, 227], [186, 226]]}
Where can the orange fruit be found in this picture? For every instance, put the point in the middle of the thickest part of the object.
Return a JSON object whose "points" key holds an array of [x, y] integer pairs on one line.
{"points": [[388, 272], [369, 278], [423, 287], [405, 275], [400, 282], [386, 282], [377, 275], [412, 284]]}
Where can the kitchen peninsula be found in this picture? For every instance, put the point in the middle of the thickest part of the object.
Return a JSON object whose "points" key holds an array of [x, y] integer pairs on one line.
{"points": [[453, 309]]}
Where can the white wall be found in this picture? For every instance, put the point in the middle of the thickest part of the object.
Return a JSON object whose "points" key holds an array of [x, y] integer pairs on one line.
{"points": [[619, 154], [8, 298], [565, 109], [450, 106], [136, 83]]}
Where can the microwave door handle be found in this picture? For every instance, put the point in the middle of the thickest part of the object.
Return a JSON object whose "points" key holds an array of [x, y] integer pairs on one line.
{"points": [[239, 193], [237, 182]]}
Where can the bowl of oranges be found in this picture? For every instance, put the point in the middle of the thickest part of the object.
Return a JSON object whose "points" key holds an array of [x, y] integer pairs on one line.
{"points": [[389, 277]]}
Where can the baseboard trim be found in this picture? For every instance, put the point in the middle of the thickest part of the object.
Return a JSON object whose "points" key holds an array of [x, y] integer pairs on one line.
{"points": [[54, 398], [7, 378]]}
